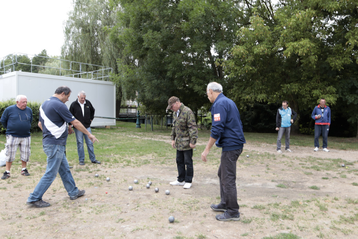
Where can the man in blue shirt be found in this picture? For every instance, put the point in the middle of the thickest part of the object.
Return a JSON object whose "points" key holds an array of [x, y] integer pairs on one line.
{"points": [[321, 114], [54, 120], [17, 120], [226, 133], [283, 125]]}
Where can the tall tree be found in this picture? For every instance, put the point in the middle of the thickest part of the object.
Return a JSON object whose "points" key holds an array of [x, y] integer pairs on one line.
{"points": [[87, 38], [293, 53], [172, 48]]}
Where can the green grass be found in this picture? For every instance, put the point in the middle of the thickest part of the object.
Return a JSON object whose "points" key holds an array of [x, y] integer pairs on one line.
{"points": [[283, 236], [281, 185], [314, 188]]}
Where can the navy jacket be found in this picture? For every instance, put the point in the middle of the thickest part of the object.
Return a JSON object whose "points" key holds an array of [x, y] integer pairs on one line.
{"points": [[326, 119], [16, 121], [226, 124]]}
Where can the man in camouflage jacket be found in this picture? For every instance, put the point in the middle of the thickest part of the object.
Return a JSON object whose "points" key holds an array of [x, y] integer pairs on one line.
{"points": [[184, 135]]}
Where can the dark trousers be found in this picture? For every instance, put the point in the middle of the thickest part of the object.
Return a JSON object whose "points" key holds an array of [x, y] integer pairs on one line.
{"points": [[227, 176], [185, 165], [281, 131], [318, 130]]}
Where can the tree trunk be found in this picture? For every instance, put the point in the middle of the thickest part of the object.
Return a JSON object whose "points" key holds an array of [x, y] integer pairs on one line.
{"points": [[295, 129]]}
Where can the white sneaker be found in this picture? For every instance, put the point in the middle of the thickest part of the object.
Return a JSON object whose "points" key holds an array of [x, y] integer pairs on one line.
{"points": [[315, 149], [279, 151], [176, 183], [187, 185], [325, 150], [289, 150]]}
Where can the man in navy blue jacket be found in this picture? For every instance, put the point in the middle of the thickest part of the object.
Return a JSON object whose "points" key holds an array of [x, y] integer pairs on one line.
{"points": [[226, 133], [321, 114], [17, 120]]}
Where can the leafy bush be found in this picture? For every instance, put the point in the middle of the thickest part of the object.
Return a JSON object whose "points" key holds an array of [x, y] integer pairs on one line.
{"points": [[35, 114]]}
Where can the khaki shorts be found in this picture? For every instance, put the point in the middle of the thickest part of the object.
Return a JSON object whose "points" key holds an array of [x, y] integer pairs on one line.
{"points": [[11, 147]]}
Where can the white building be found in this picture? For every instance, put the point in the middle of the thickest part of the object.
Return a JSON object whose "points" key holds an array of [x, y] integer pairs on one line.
{"points": [[40, 87]]}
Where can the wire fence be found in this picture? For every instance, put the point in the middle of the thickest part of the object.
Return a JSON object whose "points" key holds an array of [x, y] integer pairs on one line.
{"points": [[53, 66]]}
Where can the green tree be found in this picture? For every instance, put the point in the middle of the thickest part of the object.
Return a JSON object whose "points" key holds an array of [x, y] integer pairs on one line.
{"points": [[297, 52], [39, 60], [87, 38], [173, 48]]}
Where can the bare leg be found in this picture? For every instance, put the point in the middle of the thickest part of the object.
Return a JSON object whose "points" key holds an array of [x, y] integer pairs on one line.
{"points": [[8, 166]]}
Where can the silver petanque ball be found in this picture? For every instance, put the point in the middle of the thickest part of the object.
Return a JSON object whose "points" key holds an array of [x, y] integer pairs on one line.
{"points": [[171, 219], [147, 186], [247, 156], [130, 188], [343, 165], [150, 182], [135, 181], [96, 175], [167, 192], [156, 190], [107, 179]]}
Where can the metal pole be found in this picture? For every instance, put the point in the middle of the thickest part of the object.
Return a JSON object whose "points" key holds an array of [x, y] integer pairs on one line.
{"points": [[151, 121], [145, 121], [138, 118]]}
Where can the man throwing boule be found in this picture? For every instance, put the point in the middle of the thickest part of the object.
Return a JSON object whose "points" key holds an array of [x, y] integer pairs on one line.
{"points": [[227, 133]]}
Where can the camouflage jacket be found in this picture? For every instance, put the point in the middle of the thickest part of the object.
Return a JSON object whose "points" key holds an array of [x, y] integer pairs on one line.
{"points": [[184, 129]]}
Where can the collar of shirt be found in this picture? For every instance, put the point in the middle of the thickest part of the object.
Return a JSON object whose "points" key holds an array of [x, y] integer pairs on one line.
{"points": [[178, 111], [82, 107]]}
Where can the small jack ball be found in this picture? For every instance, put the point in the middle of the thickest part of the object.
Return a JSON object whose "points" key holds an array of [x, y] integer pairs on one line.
{"points": [[130, 188], [148, 186], [343, 165], [167, 192], [107, 179], [135, 181], [171, 219], [156, 190]]}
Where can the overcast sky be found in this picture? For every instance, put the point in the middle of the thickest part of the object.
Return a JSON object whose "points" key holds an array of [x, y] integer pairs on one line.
{"points": [[29, 26]]}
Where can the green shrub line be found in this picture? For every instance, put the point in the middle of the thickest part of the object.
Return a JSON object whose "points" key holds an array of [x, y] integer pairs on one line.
{"points": [[35, 106]]}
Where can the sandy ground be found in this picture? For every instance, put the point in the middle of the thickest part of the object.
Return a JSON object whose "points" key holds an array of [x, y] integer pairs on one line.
{"points": [[109, 210]]}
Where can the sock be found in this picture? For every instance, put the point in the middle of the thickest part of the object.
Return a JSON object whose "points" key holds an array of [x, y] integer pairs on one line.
{"points": [[23, 169], [7, 171]]}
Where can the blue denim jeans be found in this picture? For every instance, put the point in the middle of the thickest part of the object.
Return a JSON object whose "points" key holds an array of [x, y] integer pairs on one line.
{"points": [[281, 131], [80, 149], [318, 130], [56, 163]]}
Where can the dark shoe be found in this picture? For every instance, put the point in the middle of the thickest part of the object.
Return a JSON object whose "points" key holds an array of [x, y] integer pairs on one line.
{"points": [[96, 162], [25, 172], [6, 175], [218, 207], [79, 194], [70, 166], [82, 163], [227, 217], [38, 203]]}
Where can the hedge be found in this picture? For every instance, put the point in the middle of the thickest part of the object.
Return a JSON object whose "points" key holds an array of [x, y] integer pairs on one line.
{"points": [[35, 114]]}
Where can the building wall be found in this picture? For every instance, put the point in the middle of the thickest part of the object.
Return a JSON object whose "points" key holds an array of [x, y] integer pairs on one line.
{"points": [[40, 87]]}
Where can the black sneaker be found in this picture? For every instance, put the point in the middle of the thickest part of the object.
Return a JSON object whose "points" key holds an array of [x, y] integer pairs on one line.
{"points": [[79, 194], [38, 203], [96, 162], [82, 163], [6, 175], [227, 217], [25, 172], [218, 207]]}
